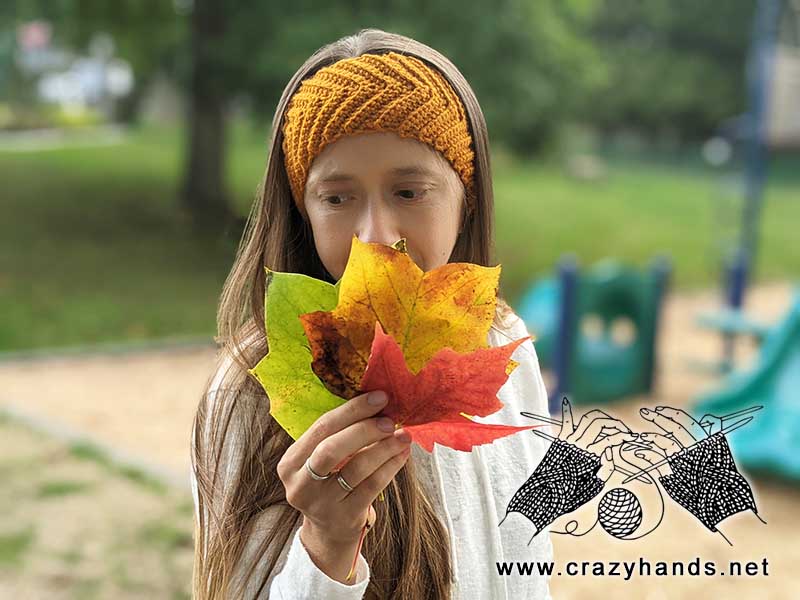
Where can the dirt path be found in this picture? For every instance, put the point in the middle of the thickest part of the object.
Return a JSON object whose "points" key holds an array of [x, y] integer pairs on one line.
{"points": [[680, 537], [75, 527], [142, 404]]}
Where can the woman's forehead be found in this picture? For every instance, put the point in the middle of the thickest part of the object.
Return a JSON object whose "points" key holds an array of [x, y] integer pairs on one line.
{"points": [[385, 152]]}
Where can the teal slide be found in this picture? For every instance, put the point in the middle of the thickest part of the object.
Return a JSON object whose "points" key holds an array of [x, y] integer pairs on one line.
{"points": [[771, 442]]}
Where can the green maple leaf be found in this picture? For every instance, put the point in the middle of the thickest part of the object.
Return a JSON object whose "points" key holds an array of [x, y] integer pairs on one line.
{"points": [[297, 396]]}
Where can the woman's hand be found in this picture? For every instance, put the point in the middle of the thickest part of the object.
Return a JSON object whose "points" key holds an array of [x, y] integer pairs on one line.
{"points": [[372, 453]]}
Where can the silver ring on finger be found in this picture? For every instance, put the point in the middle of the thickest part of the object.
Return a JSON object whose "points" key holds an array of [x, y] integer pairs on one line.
{"points": [[314, 474], [345, 486]]}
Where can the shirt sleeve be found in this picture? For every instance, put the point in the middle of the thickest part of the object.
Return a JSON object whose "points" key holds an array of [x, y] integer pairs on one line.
{"points": [[302, 579], [295, 576], [539, 400], [530, 394]]}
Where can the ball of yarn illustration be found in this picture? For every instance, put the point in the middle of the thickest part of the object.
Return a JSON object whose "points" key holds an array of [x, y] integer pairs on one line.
{"points": [[619, 512]]}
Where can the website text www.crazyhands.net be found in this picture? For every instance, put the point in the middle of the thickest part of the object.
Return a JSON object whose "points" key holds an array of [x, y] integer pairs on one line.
{"points": [[640, 568]]}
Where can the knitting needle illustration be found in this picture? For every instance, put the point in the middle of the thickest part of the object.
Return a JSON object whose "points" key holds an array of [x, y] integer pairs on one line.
{"points": [[738, 413], [530, 415], [547, 436], [727, 429], [707, 425]]}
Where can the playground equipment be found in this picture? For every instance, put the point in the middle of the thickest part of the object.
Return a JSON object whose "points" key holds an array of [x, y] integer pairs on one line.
{"points": [[772, 122], [616, 357], [539, 308], [731, 321], [772, 442]]}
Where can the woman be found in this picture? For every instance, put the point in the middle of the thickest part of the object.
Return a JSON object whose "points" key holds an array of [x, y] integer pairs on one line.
{"points": [[271, 522]]}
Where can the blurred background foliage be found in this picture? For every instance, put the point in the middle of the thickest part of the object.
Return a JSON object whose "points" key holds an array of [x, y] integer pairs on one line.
{"points": [[597, 107], [671, 68]]}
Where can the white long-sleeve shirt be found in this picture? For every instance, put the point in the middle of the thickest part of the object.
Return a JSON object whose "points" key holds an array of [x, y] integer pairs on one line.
{"points": [[470, 492]]}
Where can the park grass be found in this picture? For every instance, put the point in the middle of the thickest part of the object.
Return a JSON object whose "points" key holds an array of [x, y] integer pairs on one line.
{"points": [[93, 250], [59, 488], [14, 545], [644, 207], [74, 524], [89, 451]]}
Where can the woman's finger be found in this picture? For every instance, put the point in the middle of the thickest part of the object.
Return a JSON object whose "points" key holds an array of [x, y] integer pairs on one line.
{"points": [[684, 419], [333, 421], [368, 460], [680, 433], [366, 492], [566, 419], [332, 453]]}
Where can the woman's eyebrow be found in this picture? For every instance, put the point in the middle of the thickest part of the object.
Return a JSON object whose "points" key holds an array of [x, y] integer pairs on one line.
{"points": [[331, 177], [413, 170], [397, 171]]}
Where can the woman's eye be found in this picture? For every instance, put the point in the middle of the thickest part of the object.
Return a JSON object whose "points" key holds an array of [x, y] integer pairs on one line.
{"points": [[411, 194], [335, 200]]}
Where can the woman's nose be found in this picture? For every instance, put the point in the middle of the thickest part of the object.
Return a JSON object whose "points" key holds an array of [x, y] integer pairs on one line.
{"points": [[377, 225]]}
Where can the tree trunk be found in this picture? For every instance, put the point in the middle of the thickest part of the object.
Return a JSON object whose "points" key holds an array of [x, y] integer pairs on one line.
{"points": [[204, 197]]}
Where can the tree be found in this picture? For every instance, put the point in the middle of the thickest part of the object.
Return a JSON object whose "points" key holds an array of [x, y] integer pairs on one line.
{"points": [[674, 65], [203, 193], [526, 60]]}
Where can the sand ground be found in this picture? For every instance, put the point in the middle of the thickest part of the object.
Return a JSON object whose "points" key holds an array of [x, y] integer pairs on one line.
{"points": [[75, 528], [142, 404]]}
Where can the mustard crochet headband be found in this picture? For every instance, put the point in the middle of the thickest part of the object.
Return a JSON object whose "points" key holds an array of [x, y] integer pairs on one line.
{"points": [[375, 92]]}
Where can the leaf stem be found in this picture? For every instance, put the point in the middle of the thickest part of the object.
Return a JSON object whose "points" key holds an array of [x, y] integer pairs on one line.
{"points": [[358, 550]]}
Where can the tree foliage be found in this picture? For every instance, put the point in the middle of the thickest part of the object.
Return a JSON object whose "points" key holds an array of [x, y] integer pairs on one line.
{"points": [[674, 66]]}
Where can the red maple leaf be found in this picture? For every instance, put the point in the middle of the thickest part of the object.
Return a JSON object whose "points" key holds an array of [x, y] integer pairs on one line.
{"points": [[429, 404]]}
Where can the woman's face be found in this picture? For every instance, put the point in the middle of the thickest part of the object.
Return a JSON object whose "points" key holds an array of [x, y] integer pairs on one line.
{"points": [[382, 187]]}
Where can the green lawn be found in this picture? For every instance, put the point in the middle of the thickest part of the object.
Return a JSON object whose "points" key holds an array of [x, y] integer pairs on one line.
{"points": [[643, 207], [92, 250]]}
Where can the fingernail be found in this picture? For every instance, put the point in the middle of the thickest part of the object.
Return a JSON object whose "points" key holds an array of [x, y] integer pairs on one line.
{"points": [[402, 435], [644, 411], [564, 401], [639, 455], [385, 424], [377, 398], [634, 434], [644, 435], [659, 407]]}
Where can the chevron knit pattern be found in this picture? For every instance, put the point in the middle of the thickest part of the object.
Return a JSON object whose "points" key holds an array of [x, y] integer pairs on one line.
{"points": [[375, 92]]}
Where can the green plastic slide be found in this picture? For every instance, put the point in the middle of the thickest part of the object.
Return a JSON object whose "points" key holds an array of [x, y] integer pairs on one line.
{"points": [[771, 442]]}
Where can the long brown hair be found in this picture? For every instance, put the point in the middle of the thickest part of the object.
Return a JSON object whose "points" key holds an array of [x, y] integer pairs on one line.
{"points": [[407, 549]]}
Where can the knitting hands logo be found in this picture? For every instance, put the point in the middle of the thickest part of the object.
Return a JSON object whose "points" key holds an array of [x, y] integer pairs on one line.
{"points": [[692, 459]]}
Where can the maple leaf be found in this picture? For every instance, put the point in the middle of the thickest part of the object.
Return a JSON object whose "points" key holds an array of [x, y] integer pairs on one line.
{"points": [[429, 404], [450, 306], [297, 397]]}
